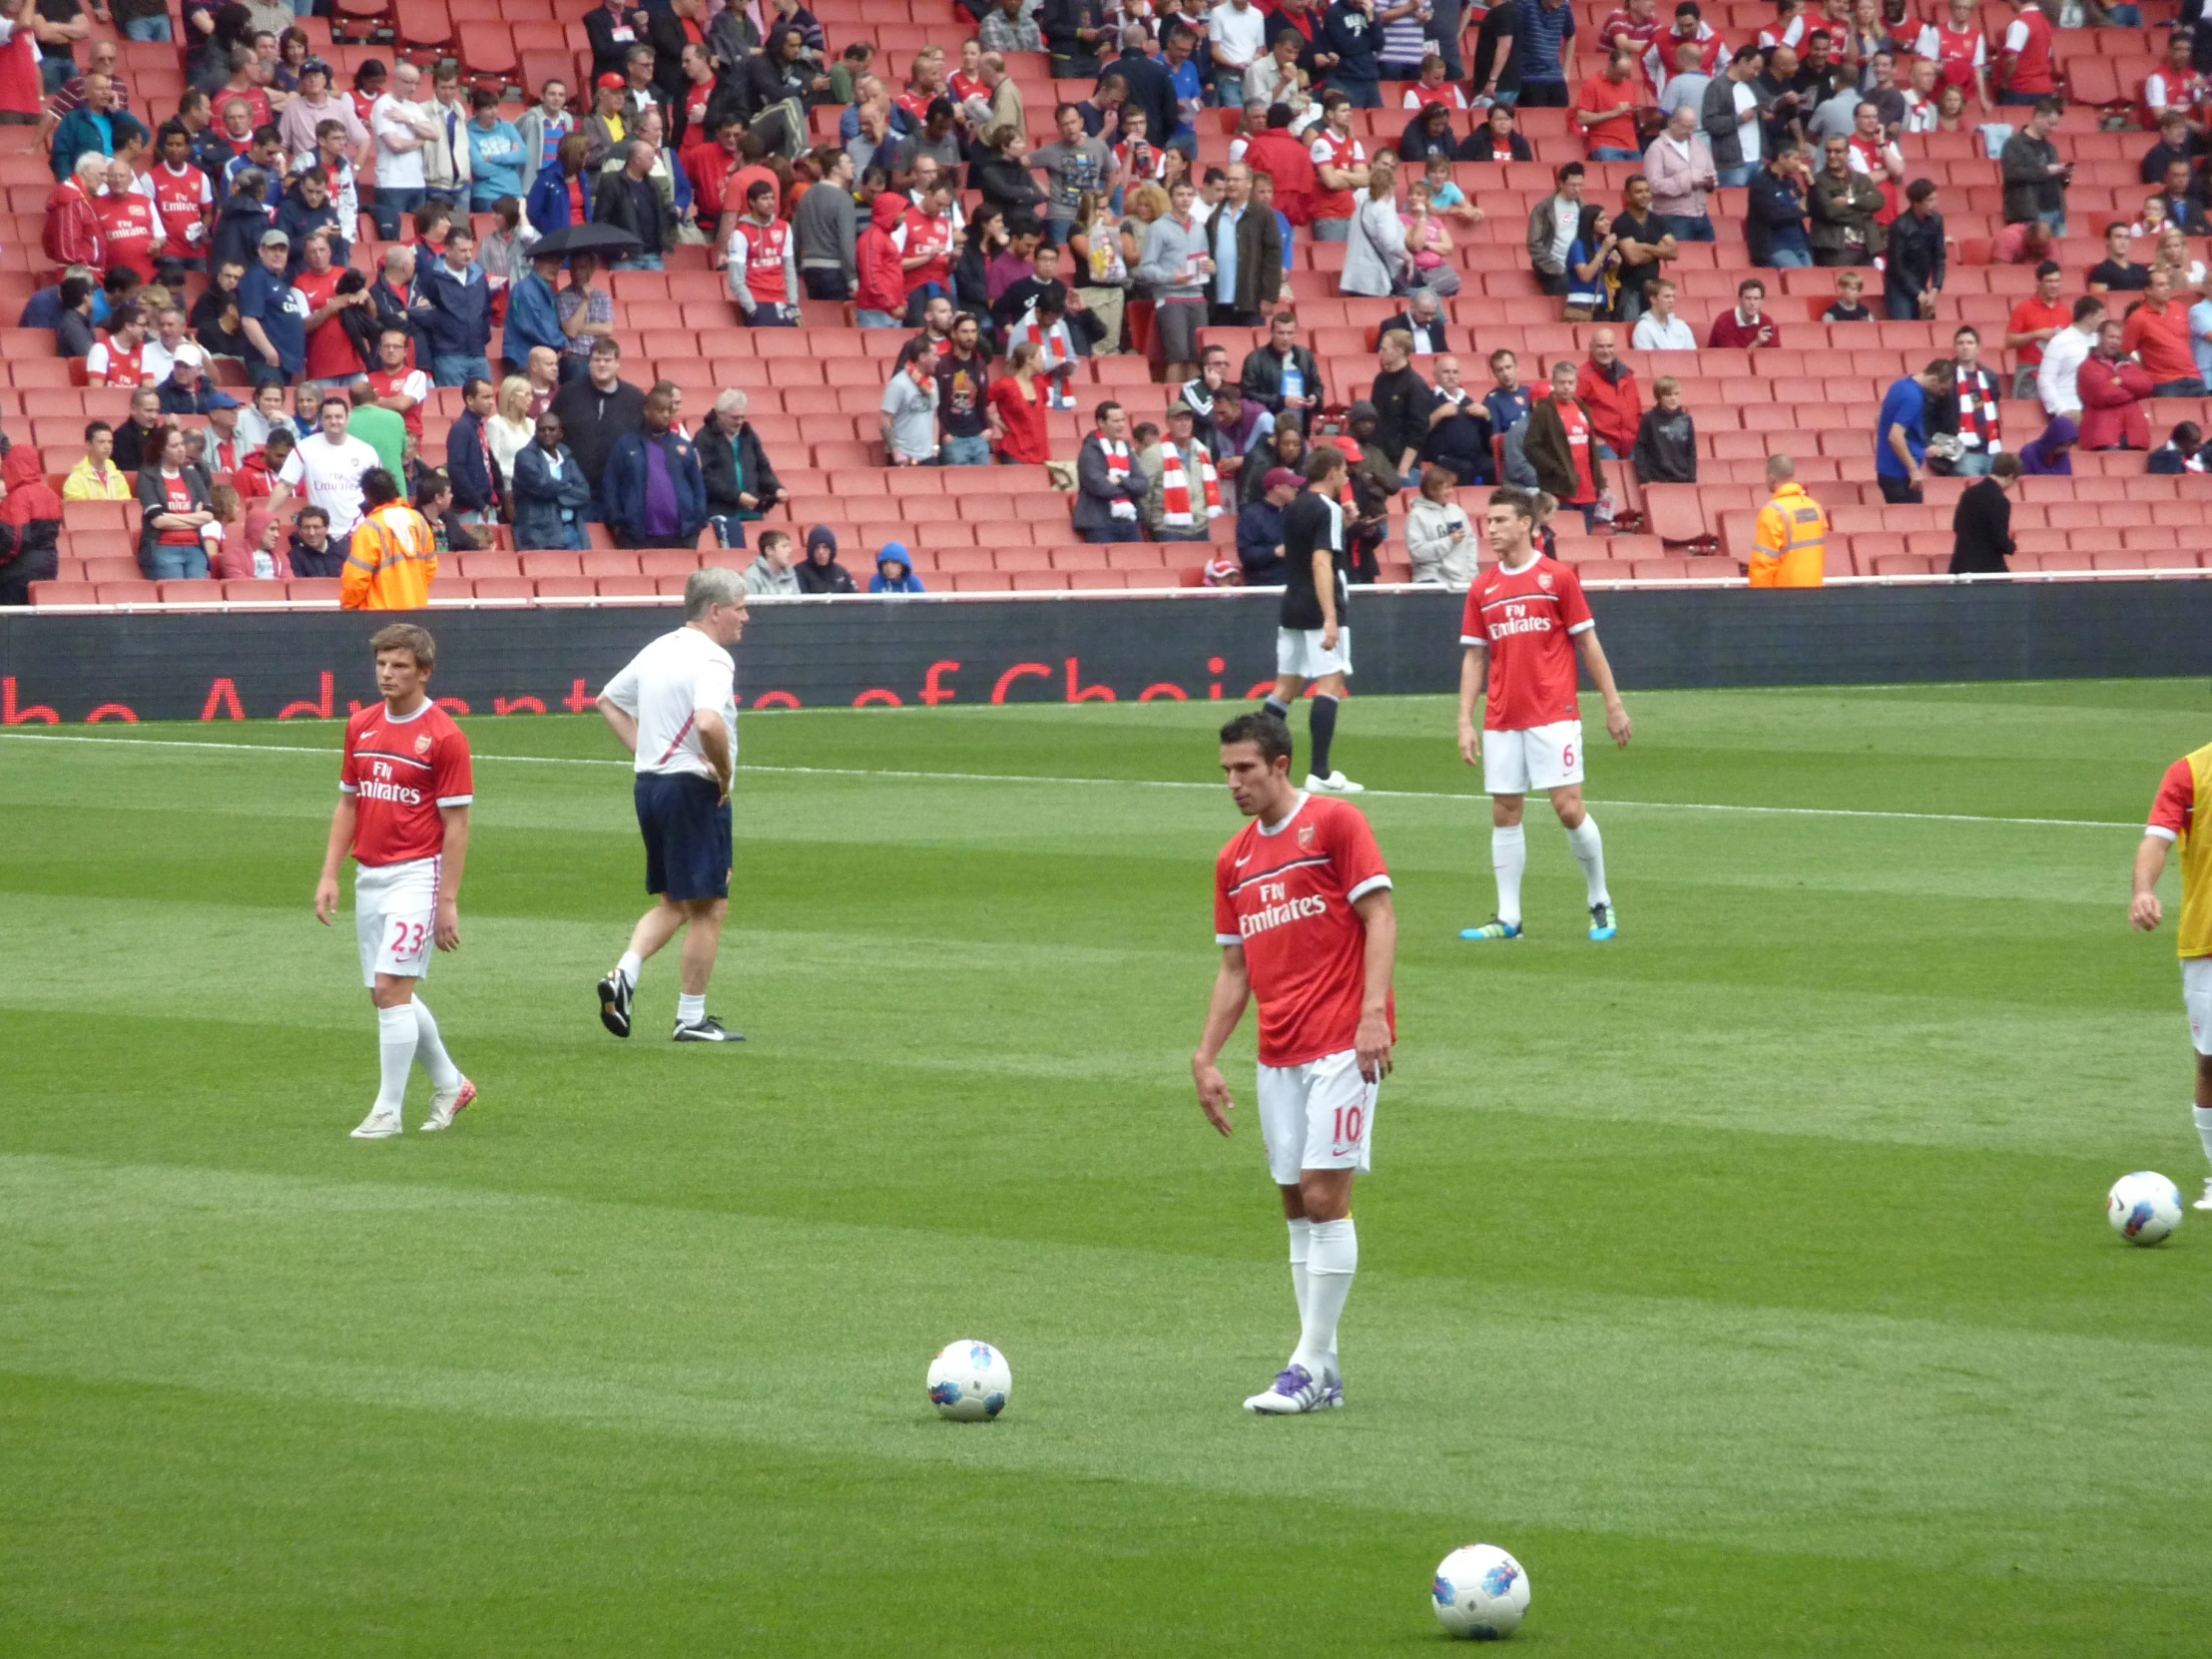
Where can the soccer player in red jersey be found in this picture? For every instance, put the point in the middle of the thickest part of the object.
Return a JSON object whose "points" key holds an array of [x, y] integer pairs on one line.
{"points": [[1521, 615], [1301, 911], [2173, 824], [404, 788]]}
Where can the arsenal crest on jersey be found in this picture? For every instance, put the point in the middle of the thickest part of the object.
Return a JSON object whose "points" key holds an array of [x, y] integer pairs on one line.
{"points": [[1544, 580], [1307, 837], [422, 744]]}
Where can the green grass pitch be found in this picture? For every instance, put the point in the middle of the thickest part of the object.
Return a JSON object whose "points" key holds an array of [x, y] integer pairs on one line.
{"points": [[1748, 1277]]}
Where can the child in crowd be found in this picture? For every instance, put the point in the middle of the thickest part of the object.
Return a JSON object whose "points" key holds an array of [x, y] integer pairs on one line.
{"points": [[224, 536], [1666, 441], [1444, 196], [894, 570], [1849, 286]]}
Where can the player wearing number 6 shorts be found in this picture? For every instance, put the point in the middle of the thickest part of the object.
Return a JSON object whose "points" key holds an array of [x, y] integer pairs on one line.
{"points": [[2173, 823], [404, 788], [1520, 616], [1301, 912]]}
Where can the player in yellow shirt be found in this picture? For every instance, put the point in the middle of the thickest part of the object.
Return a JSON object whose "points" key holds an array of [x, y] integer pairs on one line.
{"points": [[2173, 823], [1790, 548], [394, 556]]}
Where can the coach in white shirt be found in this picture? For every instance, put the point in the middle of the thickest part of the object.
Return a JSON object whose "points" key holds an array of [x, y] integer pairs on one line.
{"points": [[2063, 359], [1659, 329], [331, 464], [675, 707]]}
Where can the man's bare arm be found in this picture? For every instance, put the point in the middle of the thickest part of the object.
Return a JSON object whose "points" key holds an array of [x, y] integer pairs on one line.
{"points": [[625, 724], [452, 862], [2143, 910], [1373, 1042], [334, 857], [1232, 990]]}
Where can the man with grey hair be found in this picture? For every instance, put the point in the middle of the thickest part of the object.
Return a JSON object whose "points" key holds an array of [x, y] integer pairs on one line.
{"points": [[675, 709], [402, 127], [741, 484]]}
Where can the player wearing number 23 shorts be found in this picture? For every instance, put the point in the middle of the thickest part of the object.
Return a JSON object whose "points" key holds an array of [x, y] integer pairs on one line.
{"points": [[1303, 915]]}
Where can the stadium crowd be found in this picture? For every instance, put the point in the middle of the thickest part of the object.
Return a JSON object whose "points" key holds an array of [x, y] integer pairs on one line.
{"points": [[365, 325]]}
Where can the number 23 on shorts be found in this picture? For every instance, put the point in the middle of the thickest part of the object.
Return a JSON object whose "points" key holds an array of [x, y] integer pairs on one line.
{"points": [[407, 937]]}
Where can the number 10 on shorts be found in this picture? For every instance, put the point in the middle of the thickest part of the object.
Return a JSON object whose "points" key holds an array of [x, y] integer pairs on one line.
{"points": [[1351, 1130]]}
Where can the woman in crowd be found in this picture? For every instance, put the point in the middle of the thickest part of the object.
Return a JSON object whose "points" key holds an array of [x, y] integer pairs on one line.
{"points": [[511, 426], [1438, 537], [1497, 140], [1285, 447], [1000, 174], [1024, 404], [1593, 266], [173, 499], [1100, 274]]}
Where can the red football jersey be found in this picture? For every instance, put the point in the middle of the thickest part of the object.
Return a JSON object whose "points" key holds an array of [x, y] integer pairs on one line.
{"points": [[132, 231], [399, 773], [1286, 895], [1528, 618], [182, 200]]}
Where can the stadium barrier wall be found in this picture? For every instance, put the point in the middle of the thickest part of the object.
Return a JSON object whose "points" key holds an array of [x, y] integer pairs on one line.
{"points": [[248, 665]]}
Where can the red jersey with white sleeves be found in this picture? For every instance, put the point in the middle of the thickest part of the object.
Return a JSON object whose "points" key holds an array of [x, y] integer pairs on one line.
{"points": [[400, 771], [1286, 895], [1528, 618]]}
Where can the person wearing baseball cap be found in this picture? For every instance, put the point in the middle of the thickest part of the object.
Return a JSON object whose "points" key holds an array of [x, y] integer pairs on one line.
{"points": [[1259, 530], [273, 314]]}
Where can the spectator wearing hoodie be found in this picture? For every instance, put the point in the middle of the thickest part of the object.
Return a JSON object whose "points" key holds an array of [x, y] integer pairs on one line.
{"points": [[255, 476], [1439, 539], [771, 575], [452, 311], [819, 571], [894, 570], [30, 526], [879, 300], [241, 222], [254, 555]]}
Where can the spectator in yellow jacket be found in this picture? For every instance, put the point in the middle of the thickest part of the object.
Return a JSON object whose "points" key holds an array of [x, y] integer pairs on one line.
{"points": [[1790, 549], [96, 477], [393, 557]]}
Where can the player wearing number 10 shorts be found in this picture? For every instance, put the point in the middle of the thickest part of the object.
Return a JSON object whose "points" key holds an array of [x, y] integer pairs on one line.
{"points": [[404, 788], [1303, 915], [1526, 620]]}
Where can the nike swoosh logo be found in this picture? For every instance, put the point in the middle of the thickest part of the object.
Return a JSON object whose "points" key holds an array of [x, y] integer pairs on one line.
{"points": [[1246, 859]]}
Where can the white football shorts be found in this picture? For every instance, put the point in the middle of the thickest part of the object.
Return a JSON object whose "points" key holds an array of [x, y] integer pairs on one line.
{"points": [[1537, 758], [395, 912], [2196, 996], [1316, 1116], [1298, 651]]}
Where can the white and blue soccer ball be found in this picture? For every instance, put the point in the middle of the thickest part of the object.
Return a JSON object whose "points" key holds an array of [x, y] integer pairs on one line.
{"points": [[2144, 1208], [1481, 1593], [970, 1381]]}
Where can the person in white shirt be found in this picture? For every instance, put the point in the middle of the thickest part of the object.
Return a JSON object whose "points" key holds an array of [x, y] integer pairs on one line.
{"points": [[401, 125], [1921, 104], [2069, 349], [331, 464], [1659, 329], [1238, 33], [675, 707]]}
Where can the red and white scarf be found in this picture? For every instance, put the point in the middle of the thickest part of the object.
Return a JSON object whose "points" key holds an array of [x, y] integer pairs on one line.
{"points": [[1117, 457], [1978, 411], [1175, 486]]}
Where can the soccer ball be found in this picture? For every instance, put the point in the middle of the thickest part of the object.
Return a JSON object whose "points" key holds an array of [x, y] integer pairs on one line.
{"points": [[2144, 1208], [970, 1381], [1481, 1593]]}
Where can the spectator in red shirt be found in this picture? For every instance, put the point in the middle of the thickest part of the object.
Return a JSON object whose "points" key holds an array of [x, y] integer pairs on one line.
{"points": [[1023, 402], [1288, 163], [2113, 389], [1605, 109], [1745, 325], [2156, 335], [2035, 323], [1607, 387]]}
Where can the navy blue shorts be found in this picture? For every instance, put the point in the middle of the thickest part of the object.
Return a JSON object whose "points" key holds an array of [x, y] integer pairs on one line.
{"points": [[687, 835]]}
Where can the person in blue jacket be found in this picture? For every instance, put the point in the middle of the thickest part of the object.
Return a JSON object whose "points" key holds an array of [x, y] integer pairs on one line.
{"points": [[550, 492], [653, 491], [550, 205], [469, 462], [96, 123], [534, 316], [894, 570], [452, 311]]}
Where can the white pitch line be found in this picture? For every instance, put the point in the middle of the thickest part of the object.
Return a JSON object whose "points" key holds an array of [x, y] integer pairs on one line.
{"points": [[1115, 783]]}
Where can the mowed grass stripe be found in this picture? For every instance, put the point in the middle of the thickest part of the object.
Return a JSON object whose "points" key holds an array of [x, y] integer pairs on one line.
{"points": [[1594, 1412]]}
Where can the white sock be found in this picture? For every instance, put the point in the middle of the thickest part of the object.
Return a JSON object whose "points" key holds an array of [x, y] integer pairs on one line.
{"points": [[627, 969], [1302, 1236], [1508, 857], [1331, 1261], [395, 1046], [1589, 851], [2203, 1115], [430, 1050], [690, 1010]]}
